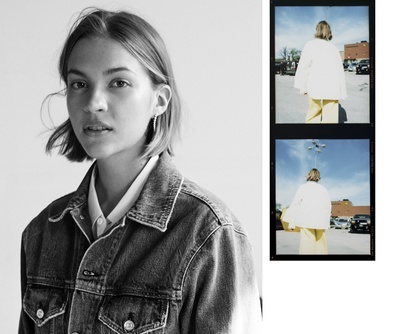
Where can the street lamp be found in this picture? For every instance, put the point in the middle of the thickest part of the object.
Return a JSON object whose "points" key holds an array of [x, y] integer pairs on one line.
{"points": [[317, 147]]}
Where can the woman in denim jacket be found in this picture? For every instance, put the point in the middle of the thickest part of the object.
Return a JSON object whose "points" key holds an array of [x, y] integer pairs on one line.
{"points": [[137, 248]]}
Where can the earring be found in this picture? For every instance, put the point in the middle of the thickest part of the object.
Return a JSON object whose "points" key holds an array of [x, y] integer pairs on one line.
{"points": [[154, 123]]}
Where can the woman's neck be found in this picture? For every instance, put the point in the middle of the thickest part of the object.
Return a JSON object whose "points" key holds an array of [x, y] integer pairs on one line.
{"points": [[114, 178]]}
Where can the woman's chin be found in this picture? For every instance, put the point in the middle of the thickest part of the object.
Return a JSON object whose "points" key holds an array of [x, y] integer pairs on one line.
{"points": [[98, 153]]}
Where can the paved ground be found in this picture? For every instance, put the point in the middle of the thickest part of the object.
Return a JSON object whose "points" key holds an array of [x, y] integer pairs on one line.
{"points": [[291, 107], [339, 242]]}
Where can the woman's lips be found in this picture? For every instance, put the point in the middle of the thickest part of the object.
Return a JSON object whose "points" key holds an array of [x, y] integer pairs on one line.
{"points": [[96, 128]]}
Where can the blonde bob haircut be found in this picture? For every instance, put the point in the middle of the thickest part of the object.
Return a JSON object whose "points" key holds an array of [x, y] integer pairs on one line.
{"points": [[145, 44], [323, 31], [313, 175]]}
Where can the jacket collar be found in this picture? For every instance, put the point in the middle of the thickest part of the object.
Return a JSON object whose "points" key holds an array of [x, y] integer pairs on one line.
{"points": [[156, 202]]}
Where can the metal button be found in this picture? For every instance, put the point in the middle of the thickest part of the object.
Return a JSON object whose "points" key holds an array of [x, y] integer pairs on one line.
{"points": [[88, 273], [40, 313], [129, 325]]}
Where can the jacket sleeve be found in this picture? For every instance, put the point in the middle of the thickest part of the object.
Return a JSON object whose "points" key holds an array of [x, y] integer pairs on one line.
{"points": [[342, 79], [26, 325], [291, 214], [303, 69], [220, 293]]}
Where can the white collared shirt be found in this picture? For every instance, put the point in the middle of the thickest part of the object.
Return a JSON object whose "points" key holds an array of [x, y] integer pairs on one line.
{"points": [[100, 223]]}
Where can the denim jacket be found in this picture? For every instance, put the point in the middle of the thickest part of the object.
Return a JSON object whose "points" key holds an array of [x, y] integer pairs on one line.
{"points": [[178, 262]]}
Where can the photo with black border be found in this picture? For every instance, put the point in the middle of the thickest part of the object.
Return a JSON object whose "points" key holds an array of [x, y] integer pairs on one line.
{"points": [[322, 130]]}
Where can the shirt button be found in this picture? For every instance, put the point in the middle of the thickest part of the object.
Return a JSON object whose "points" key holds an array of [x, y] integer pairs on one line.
{"points": [[100, 221], [40, 313], [129, 325]]}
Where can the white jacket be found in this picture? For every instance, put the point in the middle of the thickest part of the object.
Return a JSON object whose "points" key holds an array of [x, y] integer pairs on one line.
{"points": [[320, 71], [310, 208]]}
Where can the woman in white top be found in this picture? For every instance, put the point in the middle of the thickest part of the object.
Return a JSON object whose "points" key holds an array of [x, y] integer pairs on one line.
{"points": [[320, 75], [310, 210]]}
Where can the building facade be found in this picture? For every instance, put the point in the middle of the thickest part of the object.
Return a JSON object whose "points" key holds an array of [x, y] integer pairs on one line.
{"points": [[346, 209], [356, 51]]}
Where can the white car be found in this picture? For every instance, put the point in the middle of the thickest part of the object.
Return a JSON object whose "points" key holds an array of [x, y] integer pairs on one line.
{"points": [[351, 67], [342, 223]]}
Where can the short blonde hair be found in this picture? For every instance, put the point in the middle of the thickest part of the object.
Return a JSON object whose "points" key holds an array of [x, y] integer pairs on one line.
{"points": [[313, 175], [323, 31]]}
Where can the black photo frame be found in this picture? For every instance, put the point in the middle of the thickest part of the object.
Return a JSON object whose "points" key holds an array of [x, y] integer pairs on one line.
{"points": [[354, 132]]}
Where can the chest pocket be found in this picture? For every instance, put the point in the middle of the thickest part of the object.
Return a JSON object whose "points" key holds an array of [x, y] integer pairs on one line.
{"points": [[133, 315], [46, 307]]}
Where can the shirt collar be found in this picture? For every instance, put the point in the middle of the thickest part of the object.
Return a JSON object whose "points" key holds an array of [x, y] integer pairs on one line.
{"points": [[155, 204], [93, 202], [126, 201]]}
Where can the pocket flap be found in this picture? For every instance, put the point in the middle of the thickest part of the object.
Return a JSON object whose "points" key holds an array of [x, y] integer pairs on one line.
{"points": [[43, 303], [133, 314]]}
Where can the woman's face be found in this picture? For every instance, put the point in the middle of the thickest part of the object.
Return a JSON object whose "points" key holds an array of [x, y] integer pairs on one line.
{"points": [[110, 99]]}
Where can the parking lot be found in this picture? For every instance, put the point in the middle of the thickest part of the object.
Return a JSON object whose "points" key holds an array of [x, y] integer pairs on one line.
{"points": [[339, 241], [291, 107]]}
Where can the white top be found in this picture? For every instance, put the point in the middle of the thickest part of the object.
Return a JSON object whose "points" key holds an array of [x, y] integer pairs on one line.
{"points": [[310, 208], [101, 224], [320, 72]]}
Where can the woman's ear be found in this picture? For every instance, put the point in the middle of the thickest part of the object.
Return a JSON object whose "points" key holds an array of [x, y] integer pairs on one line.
{"points": [[163, 97]]}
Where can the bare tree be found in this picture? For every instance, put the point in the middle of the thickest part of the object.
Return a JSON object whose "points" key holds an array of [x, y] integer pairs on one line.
{"points": [[284, 52], [289, 54]]}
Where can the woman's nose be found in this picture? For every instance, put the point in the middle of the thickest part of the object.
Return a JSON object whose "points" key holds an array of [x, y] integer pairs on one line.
{"points": [[96, 102]]}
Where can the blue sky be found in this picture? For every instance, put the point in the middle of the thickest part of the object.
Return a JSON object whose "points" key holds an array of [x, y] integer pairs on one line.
{"points": [[294, 26], [344, 167]]}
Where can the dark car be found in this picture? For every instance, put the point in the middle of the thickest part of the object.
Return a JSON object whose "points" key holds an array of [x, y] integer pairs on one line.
{"points": [[277, 67], [278, 223], [363, 67], [360, 223], [332, 222], [280, 67]]}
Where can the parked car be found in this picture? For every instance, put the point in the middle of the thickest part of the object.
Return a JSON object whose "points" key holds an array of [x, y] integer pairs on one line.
{"points": [[278, 223], [332, 222], [342, 223], [360, 222], [277, 67], [362, 66], [291, 68], [281, 67], [351, 67]]}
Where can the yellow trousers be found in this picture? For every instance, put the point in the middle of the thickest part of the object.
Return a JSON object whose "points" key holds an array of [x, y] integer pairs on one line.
{"points": [[323, 111], [312, 241]]}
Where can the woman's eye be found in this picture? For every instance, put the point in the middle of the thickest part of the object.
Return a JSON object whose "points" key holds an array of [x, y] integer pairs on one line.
{"points": [[78, 85], [119, 84]]}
